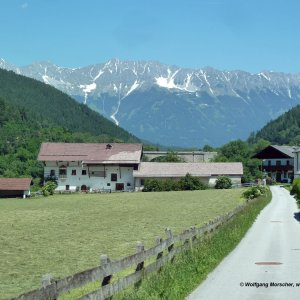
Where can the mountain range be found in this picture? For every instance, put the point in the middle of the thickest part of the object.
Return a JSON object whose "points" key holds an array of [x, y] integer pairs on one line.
{"points": [[170, 105]]}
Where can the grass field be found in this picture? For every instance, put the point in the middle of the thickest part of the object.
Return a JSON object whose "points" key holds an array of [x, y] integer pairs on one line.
{"points": [[64, 234], [176, 280]]}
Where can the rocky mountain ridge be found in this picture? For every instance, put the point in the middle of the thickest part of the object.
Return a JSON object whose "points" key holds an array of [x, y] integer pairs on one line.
{"points": [[172, 105]]}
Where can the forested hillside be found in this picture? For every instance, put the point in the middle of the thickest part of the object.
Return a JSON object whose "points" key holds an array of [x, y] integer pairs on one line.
{"points": [[285, 130], [57, 107], [32, 112]]}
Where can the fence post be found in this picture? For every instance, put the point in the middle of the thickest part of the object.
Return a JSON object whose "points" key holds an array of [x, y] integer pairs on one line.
{"points": [[140, 266], [186, 242], [194, 237], [49, 286], [158, 240], [105, 264], [47, 279], [140, 248], [170, 237]]}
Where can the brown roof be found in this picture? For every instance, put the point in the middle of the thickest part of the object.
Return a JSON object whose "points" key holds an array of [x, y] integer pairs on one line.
{"points": [[91, 153], [151, 169], [15, 184]]}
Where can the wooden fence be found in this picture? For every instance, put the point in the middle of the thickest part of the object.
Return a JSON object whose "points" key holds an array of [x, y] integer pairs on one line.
{"points": [[161, 253]]}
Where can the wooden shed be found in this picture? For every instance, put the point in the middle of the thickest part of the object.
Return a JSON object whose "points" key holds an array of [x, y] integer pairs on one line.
{"points": [[14, 187]]}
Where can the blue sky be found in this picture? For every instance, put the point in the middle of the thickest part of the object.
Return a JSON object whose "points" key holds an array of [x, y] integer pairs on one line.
{"points": [[250, 35]]}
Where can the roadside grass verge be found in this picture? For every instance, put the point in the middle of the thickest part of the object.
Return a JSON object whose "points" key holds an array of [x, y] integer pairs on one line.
{"points": [[65, 234], [189, 269]]}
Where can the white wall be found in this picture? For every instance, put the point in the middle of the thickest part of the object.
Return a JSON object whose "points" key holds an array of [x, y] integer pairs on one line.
{"points": [[124, 175], [297, 165]]}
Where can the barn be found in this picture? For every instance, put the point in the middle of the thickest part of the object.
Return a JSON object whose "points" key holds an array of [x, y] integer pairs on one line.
{"points": [[14, 187], [207, 172]]}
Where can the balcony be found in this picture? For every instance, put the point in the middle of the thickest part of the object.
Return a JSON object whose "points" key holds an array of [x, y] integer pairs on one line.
{"points": [[48, 176], [62, 177], [278, 168]]}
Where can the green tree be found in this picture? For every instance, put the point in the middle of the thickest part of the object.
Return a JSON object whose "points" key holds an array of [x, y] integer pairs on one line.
{"points": [[223, 182]]}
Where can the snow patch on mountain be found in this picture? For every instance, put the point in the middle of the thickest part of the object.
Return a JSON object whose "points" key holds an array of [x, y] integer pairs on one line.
{"points": [[133, 87], [207, 82], [265, 76], [167, 82], [98, 75], [113, 116], [46, 79], [87, 88]]}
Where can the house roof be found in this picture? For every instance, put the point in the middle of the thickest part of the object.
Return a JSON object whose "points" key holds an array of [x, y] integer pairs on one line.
{"points": [[91, 153], [275, 151], [288, 150], [152, 169], [15, 184]]}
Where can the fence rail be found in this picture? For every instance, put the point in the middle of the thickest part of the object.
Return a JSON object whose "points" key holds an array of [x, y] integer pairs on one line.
{"points": [[162, 252]]}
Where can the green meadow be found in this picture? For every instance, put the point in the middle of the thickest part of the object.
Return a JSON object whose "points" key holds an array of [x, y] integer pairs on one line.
{"points": [[65, 234]]}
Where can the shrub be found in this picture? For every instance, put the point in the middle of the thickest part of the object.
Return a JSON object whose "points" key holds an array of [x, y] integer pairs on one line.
{"points": [[254, 192], [190, 183], [185, 183], [48, 188], [223, 182], [270, 181], [152, 185], [296, 189]]}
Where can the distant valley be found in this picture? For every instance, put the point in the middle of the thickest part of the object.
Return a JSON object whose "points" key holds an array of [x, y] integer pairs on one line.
{"points": [[171, 105]]}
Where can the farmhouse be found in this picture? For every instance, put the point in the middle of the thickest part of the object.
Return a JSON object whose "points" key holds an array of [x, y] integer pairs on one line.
{"points": [[118, 167], [14, 187], [208, 172], [84, 167], [277, 162]]}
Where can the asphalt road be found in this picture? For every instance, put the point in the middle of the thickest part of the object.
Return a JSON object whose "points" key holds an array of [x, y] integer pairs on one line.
{"points": [[269, 253]]}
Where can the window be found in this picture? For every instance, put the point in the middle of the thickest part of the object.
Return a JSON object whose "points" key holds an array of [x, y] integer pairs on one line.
{"points": [[108, 184], [62, 171], [73, 172], [287, 162], [142, 181], [269, 163], [83, 172], [52, 173], [114, 177], [128, 184], [67, 187], [278, 163]]}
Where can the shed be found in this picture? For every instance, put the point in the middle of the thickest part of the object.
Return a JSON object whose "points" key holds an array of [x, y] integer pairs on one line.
{"points": [[14, 187]]}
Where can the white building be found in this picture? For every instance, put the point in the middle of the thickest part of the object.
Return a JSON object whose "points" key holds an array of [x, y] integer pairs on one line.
{"points": [[78, 166], [296, 162]]}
